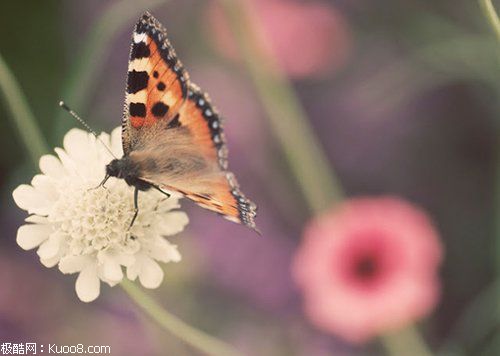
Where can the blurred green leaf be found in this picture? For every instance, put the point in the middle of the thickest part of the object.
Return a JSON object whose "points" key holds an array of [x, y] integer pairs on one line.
{"points": [[21, 115], [464, 57], [491, 16]]}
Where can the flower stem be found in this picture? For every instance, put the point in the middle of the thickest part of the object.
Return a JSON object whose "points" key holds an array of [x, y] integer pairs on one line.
{"points": [[194, 337], [407, 341], [491, 15], [475, 323], [21, 115], [492, 18], [288, 120]]}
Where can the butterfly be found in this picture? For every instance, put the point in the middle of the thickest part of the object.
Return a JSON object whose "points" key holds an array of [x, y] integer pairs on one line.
{"points": [[172, 135]]}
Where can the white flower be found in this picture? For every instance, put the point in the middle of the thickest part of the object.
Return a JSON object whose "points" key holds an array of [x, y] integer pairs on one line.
{"points": [[86, 230]]}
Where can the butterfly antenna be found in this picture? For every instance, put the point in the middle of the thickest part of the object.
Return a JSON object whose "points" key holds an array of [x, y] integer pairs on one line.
{"points": [[81, 121]]}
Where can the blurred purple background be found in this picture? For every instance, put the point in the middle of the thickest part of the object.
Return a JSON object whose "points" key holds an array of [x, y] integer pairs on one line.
{"points": [[403, 100]]}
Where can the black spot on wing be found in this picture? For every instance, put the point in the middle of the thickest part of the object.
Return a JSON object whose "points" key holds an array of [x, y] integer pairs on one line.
{"points": [[137, 81], [140, 50], [159, 109], [161, 86], [137, 109]]}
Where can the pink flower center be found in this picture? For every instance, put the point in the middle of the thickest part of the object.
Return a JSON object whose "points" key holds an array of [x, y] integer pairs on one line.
{"points": [[368, 260], [366, 268]]}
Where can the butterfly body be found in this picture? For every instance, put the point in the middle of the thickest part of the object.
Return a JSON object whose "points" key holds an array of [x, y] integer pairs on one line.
{"points": [[172, 135], [128, 170]]}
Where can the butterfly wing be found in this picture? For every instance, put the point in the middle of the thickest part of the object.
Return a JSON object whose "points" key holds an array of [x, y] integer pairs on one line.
{"points": [[191, 158], [157, 84]]}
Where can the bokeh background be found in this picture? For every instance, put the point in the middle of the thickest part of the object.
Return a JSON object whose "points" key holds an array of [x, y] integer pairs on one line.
{"points": [[403, 97]]}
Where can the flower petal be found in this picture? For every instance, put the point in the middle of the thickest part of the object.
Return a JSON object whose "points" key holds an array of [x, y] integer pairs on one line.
{"points": [[31, 200], [45, 185], [87, 284], [32, 235], [151, 273], [68, 164], [173, 222], [112, 271], [51, 166], [116, 142], [50, 262], [118, 257], [164, 251], [172, 202], [50, 248], [133, 270], [73, 264], [76, 143]]}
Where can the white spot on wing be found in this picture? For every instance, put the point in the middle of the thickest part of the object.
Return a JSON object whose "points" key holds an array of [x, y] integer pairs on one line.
{"points": [[139, 97], [140, 37], [139, 65]]}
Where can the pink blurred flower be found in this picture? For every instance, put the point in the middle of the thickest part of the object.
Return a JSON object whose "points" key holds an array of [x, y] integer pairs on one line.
{"points": [[307, 38], [368, 266]]}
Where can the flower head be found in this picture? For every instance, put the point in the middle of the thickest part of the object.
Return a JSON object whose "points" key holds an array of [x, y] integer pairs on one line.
{"points": [[307, 38], [368, 266], [85, 229]]}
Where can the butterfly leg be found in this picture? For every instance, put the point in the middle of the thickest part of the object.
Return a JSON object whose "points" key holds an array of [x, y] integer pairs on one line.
{"points": [[102, 183], [136, 206], [160, 190]]}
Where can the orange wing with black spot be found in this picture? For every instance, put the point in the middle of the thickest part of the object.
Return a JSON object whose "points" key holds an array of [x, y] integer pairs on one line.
{"points": [[191, 158], [157, 83]]}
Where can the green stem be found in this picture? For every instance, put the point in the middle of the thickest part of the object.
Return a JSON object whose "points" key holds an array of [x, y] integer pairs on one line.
{"points": [[491, 15], [407, 342], [84, 75], [194, 337], [474, 324], [21, 115], [492, 18], [491, 347], [288, 120], [497, 230]]}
